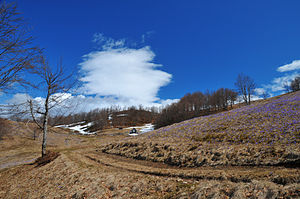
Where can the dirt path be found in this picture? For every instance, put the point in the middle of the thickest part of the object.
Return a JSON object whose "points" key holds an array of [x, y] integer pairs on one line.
{"points": [[14, 157], [14, 163]]}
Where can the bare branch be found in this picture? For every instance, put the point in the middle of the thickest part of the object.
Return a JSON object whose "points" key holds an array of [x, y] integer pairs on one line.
{"points": [[32, 114], [16, 51]]}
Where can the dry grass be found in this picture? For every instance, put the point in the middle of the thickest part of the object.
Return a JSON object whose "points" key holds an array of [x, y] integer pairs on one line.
{"points": [[208, 157]]}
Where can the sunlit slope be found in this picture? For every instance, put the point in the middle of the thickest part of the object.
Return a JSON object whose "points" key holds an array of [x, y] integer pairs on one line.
{"points": [[270, 122], [264, 133]]}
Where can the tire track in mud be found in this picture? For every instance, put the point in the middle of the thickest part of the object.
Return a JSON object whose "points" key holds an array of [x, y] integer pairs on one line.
{"points": [[233, 174], [160, 169], [158, 173]]}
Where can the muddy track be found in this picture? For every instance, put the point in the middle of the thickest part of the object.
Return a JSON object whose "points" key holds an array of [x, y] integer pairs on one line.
{"points": [[167, 174]]}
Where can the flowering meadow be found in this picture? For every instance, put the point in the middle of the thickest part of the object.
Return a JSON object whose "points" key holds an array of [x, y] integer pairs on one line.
{"points": [[275, 121], [264, 133]]}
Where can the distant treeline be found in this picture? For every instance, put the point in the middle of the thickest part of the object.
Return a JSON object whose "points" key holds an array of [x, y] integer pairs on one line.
{"points": [[110, 117], [190, 106], [195, 105]]}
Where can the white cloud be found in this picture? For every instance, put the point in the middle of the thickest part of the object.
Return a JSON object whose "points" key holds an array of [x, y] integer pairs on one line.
{"points": [[147, 35], [123, 76], [260, 91], [107, 43], [168, 102], [295, 65], [19, 98], [114, 75], [255, 97], [279, 83], [90, 103], [70, 104]]}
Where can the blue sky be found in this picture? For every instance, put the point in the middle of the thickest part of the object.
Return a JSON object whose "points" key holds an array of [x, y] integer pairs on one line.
{"points": [[176, 47]]}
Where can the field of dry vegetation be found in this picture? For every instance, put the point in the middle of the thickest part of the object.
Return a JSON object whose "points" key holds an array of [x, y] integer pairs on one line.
{"points": [[248, 152]]}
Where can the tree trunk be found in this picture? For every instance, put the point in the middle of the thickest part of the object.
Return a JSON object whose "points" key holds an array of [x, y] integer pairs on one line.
{"points": [[45, 125], [249, 97], [45, 129], [246, 98]]}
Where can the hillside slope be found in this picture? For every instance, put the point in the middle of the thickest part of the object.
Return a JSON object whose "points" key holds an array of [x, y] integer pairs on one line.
{"points": [[264, 133], [182, 159]]}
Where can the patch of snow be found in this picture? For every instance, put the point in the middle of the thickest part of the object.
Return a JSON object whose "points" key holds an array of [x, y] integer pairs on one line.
{"points": [[82, 129], [62, 126], [137, 127], [147, 128], [122, 115], [142, 129], [133, 134]]}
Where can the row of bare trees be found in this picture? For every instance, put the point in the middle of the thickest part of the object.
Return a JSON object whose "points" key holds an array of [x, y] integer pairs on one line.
{"points": [[133, 117], [200, 104], [195, 105], [109, 117]]}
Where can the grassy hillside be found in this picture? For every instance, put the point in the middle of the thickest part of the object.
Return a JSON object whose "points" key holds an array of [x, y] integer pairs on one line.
{"points": [[251, 152], [264, 133]]}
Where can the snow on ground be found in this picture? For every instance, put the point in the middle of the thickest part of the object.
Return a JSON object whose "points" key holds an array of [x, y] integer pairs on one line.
{"points": [[142, 129], [79, 127], [147, 128], [133, 134]]}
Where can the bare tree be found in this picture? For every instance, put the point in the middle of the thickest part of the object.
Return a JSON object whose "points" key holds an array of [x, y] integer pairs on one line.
{"points": [[295, 84], [232, 96], [265, 95], [54, 85], [287, 86], [245, 86], [16, 50]]}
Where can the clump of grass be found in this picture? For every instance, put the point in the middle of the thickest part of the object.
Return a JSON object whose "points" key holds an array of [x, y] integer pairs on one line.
{"points": [[219, 137]]}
